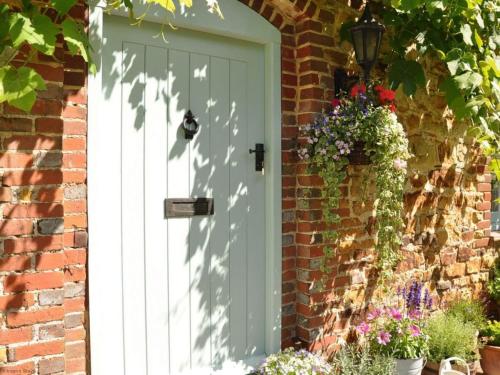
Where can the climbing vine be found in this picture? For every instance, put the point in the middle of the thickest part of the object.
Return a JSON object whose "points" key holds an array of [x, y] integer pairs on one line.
{"points": [[32, 27], [365, 117], [464, 36]]}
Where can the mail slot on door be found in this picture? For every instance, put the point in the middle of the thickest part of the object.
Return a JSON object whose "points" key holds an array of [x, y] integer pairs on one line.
{"points": [[188, 207]]}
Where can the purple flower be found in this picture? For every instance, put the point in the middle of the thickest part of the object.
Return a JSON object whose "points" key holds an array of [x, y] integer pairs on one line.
{"points": [[414, 330], [363, 328], [383, 338]]}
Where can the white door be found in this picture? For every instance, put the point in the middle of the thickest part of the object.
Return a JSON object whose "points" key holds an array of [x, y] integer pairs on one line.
{"points": [[192, 290]]}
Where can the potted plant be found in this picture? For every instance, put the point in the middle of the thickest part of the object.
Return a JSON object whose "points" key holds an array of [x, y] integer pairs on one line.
{"points": [[494, 287], [449, 336], [292, 362], [490, 353], [397, 331], [358, 126]]}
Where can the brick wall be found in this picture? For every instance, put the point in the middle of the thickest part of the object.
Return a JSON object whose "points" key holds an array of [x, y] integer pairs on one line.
{"points": [[43, 237], [42, 223]]}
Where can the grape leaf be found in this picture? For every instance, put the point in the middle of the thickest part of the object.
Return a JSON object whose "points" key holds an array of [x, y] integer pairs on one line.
{"points": [[75, 38], [466, 34], [63, 6], [47, 31], [408, 73], [18, 86]]}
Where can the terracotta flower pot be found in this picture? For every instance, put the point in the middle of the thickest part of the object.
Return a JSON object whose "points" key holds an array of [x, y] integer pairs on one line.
{"points": [[490, 359]]}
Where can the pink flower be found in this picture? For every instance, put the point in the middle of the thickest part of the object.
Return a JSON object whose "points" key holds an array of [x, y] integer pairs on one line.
{"points": [[395, 314], [415, 314], [372, 315], [383, 338], [363, 328], [400, 164], [335, 102], [414, 330]]}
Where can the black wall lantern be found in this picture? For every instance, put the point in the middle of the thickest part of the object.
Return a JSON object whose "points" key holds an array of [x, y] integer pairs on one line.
{"points": [[189, 125], [366, 37]]}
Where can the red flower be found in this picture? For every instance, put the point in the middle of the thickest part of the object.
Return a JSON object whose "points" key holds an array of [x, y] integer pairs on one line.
{"points": [[392, 107], [387, 95], [335, 102], [357, 89], [379, 88]]}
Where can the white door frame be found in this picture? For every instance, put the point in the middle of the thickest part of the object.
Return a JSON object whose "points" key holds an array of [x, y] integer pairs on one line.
{"points": [[239, 22]]}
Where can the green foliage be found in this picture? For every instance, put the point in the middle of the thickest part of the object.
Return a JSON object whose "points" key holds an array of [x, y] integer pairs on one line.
{"points": [[26, 25], [369, 121], [494, 284], [358, 360], [464, 36], [492, 333], [449, 337], [468, 311]]}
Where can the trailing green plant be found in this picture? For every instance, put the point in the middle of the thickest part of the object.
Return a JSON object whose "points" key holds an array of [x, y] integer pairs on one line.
{"points": [[449, 337], [494, 284], [491, 333], [464, 36], [359, 360], [469, 311], [366, 116], [33, 28]]}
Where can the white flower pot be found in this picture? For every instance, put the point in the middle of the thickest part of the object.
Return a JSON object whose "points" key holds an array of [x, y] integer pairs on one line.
{"points": [[409, 366]]}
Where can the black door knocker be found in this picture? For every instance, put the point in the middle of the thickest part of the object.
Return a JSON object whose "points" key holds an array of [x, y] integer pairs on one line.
{"points": [[189, 125]]}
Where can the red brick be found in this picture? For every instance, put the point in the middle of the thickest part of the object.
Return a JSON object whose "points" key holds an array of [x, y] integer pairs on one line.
{"points": [[36, 210], [76, 177], [75, 127], [27, 368], [33, 281], [16, 160], [16, 301], [24, 318], [16, 124], [36, 349], [73, 274], [50, 195], [77, 206], [49, 125], [483, 186], [25, 245], [15, 227], [75, 160], [5, 194], [74, 144], [10, 336], [50, 261], [75, 221], [15, 263], [46, 177], [32, 142]]}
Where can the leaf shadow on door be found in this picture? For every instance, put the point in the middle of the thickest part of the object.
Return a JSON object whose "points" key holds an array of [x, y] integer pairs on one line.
{"points": [[197, 301]]}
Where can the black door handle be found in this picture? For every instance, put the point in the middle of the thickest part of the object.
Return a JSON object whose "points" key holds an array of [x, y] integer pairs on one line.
{"points": [[259, 156]]}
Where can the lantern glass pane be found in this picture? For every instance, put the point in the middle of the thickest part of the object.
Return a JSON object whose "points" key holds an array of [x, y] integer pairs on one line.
{"points": [[357, 38], [371, 45]]}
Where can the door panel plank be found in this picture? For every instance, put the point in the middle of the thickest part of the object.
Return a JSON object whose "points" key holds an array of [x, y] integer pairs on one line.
{"points": [[238, 189], [155, 185], [200, 168], [256, 256], [219, 239], [178, 229], [133, 207]]}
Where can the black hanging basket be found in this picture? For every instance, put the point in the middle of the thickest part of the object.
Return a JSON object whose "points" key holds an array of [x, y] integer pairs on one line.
{"points": [[358, 155]]}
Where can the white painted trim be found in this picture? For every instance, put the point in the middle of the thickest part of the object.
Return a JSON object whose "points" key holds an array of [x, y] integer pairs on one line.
{"points": [[242, 23]]}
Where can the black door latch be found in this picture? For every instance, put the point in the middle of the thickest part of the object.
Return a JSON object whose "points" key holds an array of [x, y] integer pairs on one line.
{"points": [[259, 157]]}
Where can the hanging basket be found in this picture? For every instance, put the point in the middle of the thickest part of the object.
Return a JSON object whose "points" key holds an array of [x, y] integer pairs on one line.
{"points": [[358, 155]]}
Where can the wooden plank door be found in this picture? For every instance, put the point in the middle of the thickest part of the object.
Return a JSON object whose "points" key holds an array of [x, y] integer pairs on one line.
{"points": [[192, 289]]}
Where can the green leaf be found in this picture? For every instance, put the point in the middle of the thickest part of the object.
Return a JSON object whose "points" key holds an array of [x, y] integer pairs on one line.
{"points": [[410, 4], [21, 30], [466, 34], [468, 80], [167, 4], [408, 73], [63, 6], [454, 97], [345, 31], [478, 40], [18, 86], [453, 66], [75, 38], [47, 31]]}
